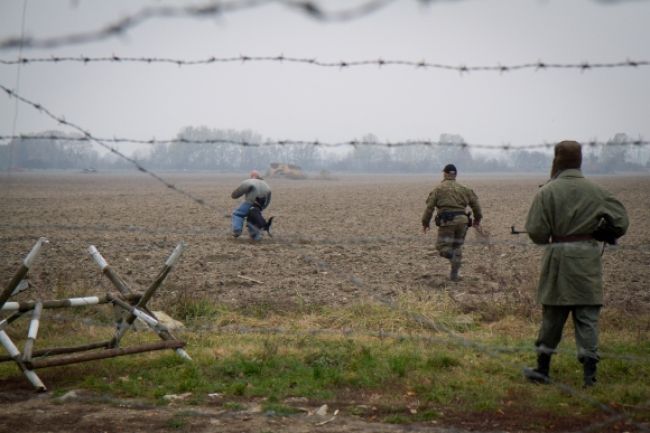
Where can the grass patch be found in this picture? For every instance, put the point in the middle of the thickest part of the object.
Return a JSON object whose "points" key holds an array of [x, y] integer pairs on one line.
{"points": [[417, 376]]}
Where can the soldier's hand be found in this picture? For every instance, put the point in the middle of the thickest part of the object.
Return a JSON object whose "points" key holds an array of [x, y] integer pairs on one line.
{"points": [[425, 229]]}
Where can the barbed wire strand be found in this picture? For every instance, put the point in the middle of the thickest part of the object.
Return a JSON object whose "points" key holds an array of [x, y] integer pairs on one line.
{"points": [[311, 9], [292, 239], [452, 338], [417, 317], [211, 9], [17, 87], [465, 342], [539, 65], [316, 143], [457, 339], [89, 136]]}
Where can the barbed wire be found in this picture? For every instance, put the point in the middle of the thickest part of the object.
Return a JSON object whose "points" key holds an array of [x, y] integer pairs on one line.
{"points": [[311, 9], [90, 137], [494, 350], [295, 239], [538, 65], [317, 143], [454, 338], [210, 9]]}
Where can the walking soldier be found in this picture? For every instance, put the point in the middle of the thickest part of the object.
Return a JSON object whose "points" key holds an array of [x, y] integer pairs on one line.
{"points": [[450, 201]]}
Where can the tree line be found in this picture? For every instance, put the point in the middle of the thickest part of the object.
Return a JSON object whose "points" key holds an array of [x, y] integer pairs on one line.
{"points": [[63, 152]]}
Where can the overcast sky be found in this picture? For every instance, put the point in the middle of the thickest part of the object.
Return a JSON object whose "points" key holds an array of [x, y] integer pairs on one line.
{"points": [[304, 102]]}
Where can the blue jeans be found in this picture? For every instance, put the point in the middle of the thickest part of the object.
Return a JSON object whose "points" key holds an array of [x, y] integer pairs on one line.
{"points": [[238, 217]]}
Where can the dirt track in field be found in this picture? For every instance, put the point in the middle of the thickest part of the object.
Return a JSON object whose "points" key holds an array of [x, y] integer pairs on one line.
{"points": [[334, 242]]}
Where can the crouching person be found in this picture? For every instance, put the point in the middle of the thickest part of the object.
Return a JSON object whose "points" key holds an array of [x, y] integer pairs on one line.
{"points": [[257, 197]]}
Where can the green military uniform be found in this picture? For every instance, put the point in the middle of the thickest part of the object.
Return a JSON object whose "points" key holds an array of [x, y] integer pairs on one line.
{"points": [[564, 214], [451, 198]]}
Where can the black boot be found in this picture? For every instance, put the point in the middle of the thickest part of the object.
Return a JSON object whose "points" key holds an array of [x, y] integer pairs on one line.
{"points": [[455, 267], [541, 373], [589, 368], [454, 275]]}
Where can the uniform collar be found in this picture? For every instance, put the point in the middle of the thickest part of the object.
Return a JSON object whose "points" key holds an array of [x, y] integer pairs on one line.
{"points": [[570, 172]]}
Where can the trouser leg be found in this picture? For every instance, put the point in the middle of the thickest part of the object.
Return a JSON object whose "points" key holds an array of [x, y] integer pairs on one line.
{"points": [[445, 241], [459, 239], [449, 245], [238, 216], [585, 320], [550, 334]]}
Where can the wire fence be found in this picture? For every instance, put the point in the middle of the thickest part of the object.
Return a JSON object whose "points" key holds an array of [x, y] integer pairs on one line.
{"points": [[296, 239], [113, 150], [453, 337], [436, 332], [538, 65], [207, 10], [87, 136], [440, 333], [312, 9], [316, 143]]}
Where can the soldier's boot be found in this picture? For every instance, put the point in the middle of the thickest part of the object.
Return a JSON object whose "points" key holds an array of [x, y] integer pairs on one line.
{"points": [[455, 267], [541, 373], [589, 368], [454, 275]]}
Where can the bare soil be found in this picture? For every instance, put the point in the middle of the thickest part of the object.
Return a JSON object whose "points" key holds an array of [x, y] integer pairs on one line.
{"points": [[334, 242]]}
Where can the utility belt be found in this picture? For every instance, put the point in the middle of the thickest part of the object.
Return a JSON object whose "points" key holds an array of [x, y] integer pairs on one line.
{"points": [[570, 238], [446, 216]]}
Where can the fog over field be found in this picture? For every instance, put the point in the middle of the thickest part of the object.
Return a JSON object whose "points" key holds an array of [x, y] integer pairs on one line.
{"points": [[499, 73]]}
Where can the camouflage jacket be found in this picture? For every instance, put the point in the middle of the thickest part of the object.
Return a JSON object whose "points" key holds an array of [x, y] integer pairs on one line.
{"points": [[451, 196], [571, 272]]}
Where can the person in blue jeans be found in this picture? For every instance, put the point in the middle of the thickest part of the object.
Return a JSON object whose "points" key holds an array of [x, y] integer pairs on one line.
{"points": [[256, 192]]}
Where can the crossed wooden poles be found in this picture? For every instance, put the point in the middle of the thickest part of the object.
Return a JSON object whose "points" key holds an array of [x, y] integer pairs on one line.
{"points": [[134, 306]]}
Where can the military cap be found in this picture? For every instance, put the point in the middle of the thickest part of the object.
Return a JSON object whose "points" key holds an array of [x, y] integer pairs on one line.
{"points": [[450, 168]]}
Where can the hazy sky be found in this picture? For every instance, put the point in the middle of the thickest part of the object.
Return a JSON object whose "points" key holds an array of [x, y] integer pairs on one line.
{"points": [[304, 102]]}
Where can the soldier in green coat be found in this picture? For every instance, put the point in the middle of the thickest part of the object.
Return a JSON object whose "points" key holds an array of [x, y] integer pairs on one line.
{"points": [[451, 199], [570, 214]]}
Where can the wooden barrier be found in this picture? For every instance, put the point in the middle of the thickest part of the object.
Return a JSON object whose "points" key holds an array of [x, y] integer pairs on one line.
{"points": [[134, 306]]}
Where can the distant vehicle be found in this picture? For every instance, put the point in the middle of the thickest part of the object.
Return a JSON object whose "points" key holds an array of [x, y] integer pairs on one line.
{"points": [[89, 170], [290, 171]]}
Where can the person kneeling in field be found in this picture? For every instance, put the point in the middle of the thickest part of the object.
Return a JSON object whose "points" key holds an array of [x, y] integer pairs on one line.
{"points": [[257, 197], [569, 214]]}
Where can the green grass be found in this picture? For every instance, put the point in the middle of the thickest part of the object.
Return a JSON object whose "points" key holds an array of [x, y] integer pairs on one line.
{"points": [[440, 372]]}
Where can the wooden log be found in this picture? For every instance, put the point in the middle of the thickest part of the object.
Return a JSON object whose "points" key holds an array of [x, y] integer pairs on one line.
{"points": [[32, 333], [108, 353], [64, 303], [62, 350], [153, 323], [108, 271], [22, 271], [126, 323], [5, 322], [15, 355]]}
